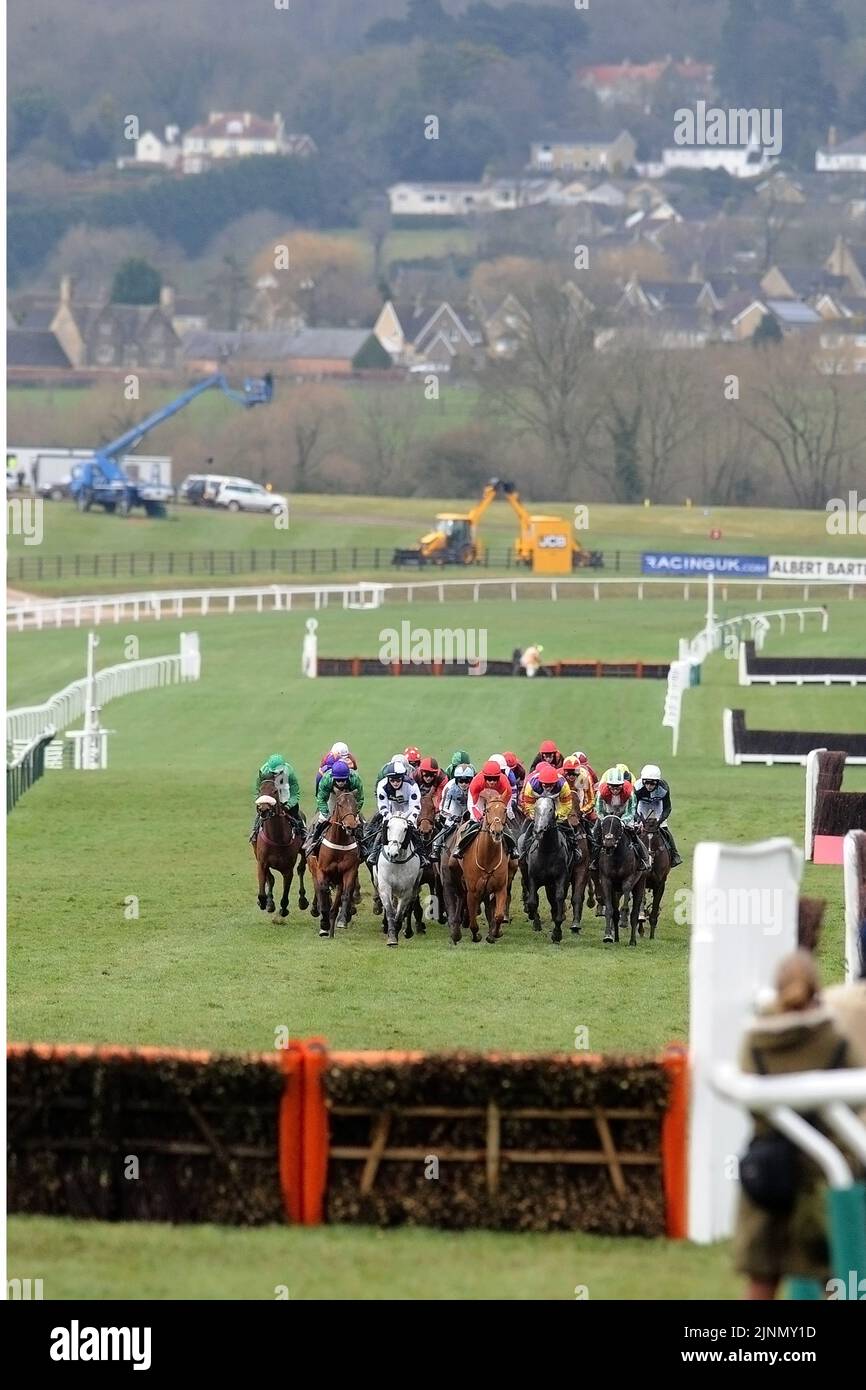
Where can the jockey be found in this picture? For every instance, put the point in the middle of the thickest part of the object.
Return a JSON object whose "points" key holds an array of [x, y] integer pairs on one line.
{"points": [[516, 766], [339, 777], [502, 763], [546, 780], [491, 778], [454, 804], [583, 760], [431, 778], [412, 756], [396, 795], [288, 789], [398, 758], [653, 797], [337, 750], [615, 796], [458, 758], [582, 786], [547, 753]]}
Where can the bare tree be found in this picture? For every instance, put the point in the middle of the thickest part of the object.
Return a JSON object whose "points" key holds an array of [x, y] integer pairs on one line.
{"points": [[388, 424], [811, 418]]}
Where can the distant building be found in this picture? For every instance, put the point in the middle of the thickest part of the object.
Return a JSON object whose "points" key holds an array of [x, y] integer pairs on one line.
{"points": [[311, 352], [740, 161], [849, 157], [611, 154], [154, 153], [460, 199], [432, 333], [635, 83], [237, 135]]}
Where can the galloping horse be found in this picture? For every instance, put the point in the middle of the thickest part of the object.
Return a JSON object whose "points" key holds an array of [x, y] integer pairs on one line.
{"points": [[335, 865], [486, 871], [621, 878], [277, 846], [658, 873], [580, 877], [398, 876], [547, 864], [430, 872], [453, 887]]}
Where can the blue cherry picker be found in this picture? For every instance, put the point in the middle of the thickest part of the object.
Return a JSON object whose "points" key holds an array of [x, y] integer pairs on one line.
{"points": [[100, 481]]}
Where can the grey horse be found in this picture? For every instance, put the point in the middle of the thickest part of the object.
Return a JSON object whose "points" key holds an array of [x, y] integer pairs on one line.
{"points": [[397, 875]]}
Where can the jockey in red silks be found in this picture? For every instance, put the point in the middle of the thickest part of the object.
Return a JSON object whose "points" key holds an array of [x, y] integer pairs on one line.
{"points": [[547, 753], [491, 778], [584, 762], [516, 766], [431, 778]]}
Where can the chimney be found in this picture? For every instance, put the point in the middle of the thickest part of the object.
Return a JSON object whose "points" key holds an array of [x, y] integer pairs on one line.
{"points": [[166, 299], [65, 289], [831, 137]]}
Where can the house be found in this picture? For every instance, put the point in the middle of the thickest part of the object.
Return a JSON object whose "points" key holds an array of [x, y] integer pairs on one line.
{"points": [[461, 199], [850, 262], [635, 83], [849, 157], [130, 335], [799, 282], [237, 135], [844, 346], [740, 161], [781, 187], [611, 154], [152, 153], [311, 352], [416, 332], [31, 351], [503, 324]]}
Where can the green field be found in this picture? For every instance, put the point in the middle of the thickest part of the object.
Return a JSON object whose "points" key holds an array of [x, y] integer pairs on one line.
{"points": [[323, 520], [165, 828]]}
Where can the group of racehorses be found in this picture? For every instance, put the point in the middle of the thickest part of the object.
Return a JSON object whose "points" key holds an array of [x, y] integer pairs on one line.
{"points": [[558, 863]]}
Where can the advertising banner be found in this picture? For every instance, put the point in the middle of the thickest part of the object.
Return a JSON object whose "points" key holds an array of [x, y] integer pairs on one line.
{"points": [[816, 567], [676, 563]]}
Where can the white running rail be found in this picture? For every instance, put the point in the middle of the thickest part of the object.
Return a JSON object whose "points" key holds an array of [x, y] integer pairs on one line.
{"points": [[29, 721]]}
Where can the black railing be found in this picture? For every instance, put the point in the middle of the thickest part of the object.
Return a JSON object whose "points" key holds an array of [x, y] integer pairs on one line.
{"points": [[192, 564], [26, 770]]}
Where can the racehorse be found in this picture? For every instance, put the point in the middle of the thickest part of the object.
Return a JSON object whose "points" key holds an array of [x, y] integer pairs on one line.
{"points": [[430, 871], [621, 878], [278, 845], [581, 883], [547, 863], [486, 870], [453, 888], [659, 869], [335, 865], [397, 875]]}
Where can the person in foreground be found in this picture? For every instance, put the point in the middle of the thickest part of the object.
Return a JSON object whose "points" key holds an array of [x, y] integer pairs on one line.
{"points": [[781, 1225]]}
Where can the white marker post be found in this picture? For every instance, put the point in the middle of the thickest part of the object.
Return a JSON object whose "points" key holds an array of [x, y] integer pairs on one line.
{"points": [[92, 750], [310, 650], [743, 921]]}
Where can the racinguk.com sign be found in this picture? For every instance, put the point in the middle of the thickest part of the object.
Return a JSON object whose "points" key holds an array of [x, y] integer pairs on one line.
{"points": [[665, 562], [816, 567]]}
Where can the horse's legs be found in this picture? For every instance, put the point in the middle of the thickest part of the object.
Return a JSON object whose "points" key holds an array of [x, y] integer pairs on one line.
{"points": [[609, 912], [303, 901], [262, 893], [472, 906], [323, 898], [530, 901], [270, 905], [288, 875], [556, 898]]}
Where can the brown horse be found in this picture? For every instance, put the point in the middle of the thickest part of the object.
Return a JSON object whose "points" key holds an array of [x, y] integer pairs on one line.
{"points": [[453, 887], [277, 846], [657, 876], [486, 870], [335, 865], [580, 879], [426, 826]]}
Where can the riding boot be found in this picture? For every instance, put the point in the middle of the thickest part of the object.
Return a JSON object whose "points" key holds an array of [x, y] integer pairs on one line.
{"points": [[467, 835], [314, 837], [257, 825], [676, 857], [640, 849]]}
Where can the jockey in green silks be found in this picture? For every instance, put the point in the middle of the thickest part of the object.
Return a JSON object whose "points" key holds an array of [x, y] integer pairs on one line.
{"points": [[280, 771]]}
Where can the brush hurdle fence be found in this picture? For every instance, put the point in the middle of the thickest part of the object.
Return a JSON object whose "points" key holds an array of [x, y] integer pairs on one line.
{"points": [[830, 812], [769, 746], [799, 670]]}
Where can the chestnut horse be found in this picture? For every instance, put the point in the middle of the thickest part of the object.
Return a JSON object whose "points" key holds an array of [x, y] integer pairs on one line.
{"points": [[277, 846], [580, 878], [335, 865], [426, 827], [486, 870]]}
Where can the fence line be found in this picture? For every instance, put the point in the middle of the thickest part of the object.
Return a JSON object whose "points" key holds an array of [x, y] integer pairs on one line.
{"points": [[176, 603], [31, 721], [27, 767]]}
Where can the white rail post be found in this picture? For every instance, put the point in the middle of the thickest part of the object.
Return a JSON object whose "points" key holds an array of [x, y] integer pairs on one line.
{"points": [[91, 750], [310, 650], [854, 869], [743, 921]]}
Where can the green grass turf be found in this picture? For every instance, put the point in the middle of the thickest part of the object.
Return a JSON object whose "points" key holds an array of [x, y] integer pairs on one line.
{"points": [[167, 824], [96, 1260], [324, 520]]}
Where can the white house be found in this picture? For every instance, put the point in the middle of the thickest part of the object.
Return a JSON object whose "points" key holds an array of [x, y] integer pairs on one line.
{"points": [[847, 158], [150, 150], [236, 135], [460, 199], [740, 161]]}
